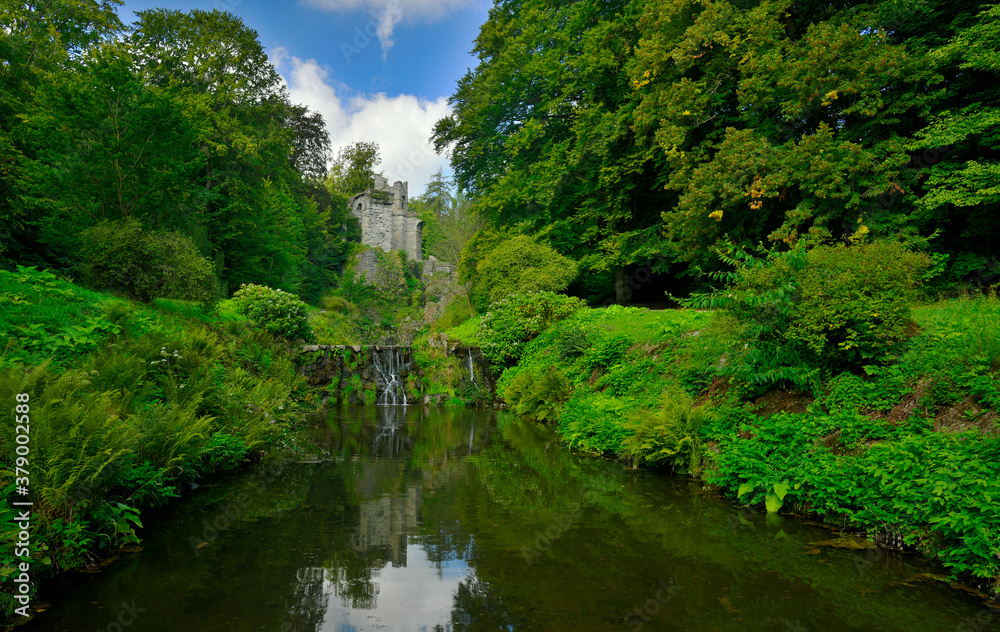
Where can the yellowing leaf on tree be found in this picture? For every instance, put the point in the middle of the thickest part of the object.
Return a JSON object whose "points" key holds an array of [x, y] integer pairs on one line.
{"points": [[716, 215]]}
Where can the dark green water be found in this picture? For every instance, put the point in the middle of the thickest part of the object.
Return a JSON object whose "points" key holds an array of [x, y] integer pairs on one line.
{"points": [[452, 520]]}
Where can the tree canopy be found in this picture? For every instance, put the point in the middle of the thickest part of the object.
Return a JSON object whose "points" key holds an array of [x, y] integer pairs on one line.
{"points": [[178, 122], [618, 131]]}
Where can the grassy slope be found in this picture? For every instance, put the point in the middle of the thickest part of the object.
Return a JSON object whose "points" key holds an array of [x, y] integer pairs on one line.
{"points": [[128, 403], [907, 452]]}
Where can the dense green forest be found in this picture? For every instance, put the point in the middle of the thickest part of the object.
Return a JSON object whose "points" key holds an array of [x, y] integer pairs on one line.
{"points": [[178, 122], [626, 133], [810, 177]]}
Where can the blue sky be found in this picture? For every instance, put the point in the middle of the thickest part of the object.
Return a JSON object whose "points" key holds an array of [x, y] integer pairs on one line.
{"points": [[378, 70]]}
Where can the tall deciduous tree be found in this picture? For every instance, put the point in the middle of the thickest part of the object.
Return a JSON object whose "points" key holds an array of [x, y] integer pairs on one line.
{"points": [[310, 144], [776, 121], [107, 146], [253, 139], [959, 151], [39, 40], [619, 130], [541, 134], [353, 169]]}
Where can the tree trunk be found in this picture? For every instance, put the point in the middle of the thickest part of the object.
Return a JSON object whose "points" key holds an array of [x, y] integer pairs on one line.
{"points": [[623, 293]]}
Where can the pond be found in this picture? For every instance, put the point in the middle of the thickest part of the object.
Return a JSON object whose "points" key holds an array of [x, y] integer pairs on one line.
{"points": [[436, 519]]}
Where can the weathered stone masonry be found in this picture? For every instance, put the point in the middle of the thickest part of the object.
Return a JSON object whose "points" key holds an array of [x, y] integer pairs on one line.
{"points": [[386, 221], [349, 374]]}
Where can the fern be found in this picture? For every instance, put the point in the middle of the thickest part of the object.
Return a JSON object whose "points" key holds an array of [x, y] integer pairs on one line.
{"points": [[670, 437], [538, 396]]}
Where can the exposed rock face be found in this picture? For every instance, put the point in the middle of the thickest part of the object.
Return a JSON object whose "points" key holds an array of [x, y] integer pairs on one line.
{"points": [[386, 275], [441, 288], [358, 374], [386, 221], [432, 265]]}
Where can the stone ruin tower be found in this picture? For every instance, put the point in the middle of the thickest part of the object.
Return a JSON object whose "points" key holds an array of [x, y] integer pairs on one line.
{"points": [[386, 221]]}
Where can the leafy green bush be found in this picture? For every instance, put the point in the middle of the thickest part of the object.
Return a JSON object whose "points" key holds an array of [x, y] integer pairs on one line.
{"points": [[804, 313], [519, 318], [935, 490], [500, 264], [123, 256], [668, 436], [466, 332], [45, 317], [335, 328], [939, 490], [538, 396], [606, 351], [334, 303], [629, 377], [128, 401], [280, 313], [142, 482], [573, 343], [593, 421], [223, 452], [854, 301]]}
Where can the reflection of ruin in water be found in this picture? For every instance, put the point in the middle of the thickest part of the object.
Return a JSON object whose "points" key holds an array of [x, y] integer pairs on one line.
{"points": [[384, 550]]}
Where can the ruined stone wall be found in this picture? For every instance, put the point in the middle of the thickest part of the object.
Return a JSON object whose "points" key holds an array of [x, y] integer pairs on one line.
{"points": [[386, 221], [379, 233], [347, 374], [413, 238]]}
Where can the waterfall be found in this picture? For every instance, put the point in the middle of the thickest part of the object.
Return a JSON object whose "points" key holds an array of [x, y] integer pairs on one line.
{"points": [[389, 362], [472, 373]]}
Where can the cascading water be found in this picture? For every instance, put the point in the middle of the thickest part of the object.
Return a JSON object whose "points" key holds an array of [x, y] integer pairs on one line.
{"points": [[472, 372], [389, 362]]}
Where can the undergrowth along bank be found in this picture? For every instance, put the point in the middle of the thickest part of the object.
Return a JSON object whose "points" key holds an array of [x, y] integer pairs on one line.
{"points": [[130, 403], [904, 449]]}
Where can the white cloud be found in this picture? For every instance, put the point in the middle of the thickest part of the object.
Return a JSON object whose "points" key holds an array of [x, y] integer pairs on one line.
{"points": [[411, 10], [387, 22], [401, 125]]}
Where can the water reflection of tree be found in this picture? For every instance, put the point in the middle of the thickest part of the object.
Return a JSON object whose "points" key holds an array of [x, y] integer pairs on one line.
{"points": [[480, 602], [700, 540], [309, 601]]}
